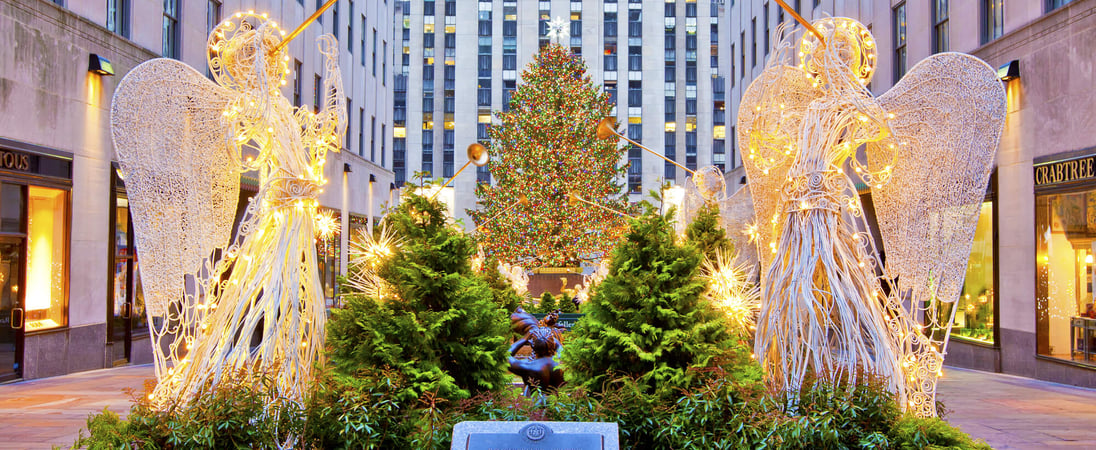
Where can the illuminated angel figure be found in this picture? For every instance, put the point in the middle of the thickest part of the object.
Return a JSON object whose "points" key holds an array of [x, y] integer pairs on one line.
{"points": [[252, 304], [925, 148]]}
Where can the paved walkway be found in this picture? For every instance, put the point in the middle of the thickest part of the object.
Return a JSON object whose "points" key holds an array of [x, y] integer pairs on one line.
{"points": [[51, 411], [1011, 412], [1008, 412]]}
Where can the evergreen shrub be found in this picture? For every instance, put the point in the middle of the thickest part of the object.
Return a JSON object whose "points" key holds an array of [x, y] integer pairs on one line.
{"points": [[647, 319], [444, 333]]}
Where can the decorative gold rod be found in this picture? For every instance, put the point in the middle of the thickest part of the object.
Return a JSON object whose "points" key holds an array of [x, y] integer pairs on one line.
{"points": [[522, 200], [801, 20], [605, 129], [477, 154], [576, 197], [293, 34]]}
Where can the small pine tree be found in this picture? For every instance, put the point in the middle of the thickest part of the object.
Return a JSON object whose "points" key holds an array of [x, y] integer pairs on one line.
{"points": [[547, 303], [501, 290], [567, 304], [706, 234], [647, 319], [443, 332]]}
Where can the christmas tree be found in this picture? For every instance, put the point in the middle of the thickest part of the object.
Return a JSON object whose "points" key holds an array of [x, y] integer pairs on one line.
{"points": [[546, 149]]}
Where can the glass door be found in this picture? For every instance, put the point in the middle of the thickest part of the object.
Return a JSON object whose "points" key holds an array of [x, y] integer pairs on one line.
{"points": [[122, 271], [13, 316]]}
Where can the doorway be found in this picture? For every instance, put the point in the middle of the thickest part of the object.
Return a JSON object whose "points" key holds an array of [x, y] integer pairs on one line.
{"points": [[13, 316]]}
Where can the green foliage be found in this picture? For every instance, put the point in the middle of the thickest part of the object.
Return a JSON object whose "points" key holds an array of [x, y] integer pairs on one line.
{"points": [[722, 410], [911, 432], [547, 303], [445, 333], [566, 304], [706, 234], [647, 319], [234, 414], [501, 291]]}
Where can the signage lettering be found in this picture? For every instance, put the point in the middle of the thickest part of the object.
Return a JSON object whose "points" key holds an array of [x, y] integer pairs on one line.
{"points": [[1065, 171]]}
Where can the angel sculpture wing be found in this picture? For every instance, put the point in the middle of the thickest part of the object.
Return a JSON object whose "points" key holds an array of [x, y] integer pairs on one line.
{"points": [[176, 158], [948, 113], [770, 116]]}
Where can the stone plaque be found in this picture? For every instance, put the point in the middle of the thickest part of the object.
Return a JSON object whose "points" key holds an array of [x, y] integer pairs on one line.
{"points": [[536, 435]]}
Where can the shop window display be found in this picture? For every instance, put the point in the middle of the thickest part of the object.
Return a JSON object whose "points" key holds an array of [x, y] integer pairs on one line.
{"points": [[46, 268], [1065, 238], [974, 319]]}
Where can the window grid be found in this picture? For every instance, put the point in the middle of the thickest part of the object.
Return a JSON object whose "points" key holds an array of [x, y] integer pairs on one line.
{"points": [[170, 29], [993, 19], [899, 41], [940, 38]]}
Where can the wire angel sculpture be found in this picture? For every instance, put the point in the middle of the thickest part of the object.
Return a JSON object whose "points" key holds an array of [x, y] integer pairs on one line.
{"points": [[217, 306], [925, 148]]}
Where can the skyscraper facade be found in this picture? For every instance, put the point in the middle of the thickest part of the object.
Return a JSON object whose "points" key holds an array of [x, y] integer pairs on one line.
{"points": [[662, 62]]}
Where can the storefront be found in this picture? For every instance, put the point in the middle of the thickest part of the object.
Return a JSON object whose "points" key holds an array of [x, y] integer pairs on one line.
{"points": [[1065, 240], [34, 240]]}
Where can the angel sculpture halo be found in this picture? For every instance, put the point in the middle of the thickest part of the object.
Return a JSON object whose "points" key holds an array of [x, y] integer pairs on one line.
{"points": [[853, 44], [710, 184], [235, 54]]}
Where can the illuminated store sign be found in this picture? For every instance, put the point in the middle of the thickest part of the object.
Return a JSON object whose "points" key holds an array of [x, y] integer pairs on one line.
{"points": [[1065, 171]]}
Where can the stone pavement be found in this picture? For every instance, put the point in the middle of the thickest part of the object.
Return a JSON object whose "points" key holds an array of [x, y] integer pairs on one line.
{"points": [[1008, 412], [51, 411], [1011, 412]]}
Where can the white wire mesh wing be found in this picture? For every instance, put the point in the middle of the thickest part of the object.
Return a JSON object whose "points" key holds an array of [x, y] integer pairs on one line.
{"points": [[180, 174], [770, 116], [948, 113]]}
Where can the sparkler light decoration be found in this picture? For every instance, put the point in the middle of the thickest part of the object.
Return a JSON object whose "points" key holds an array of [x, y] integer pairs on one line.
{"points": [[367, 253], [928, 147], [730, 290], [180, 140]]}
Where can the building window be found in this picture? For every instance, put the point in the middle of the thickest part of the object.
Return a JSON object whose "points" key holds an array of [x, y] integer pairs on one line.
{"points": [[297, 83], [213, 14], [317, 93], [47, 209], [361, 132], [1055, 4], [383, 130], [384, 63], [974, 318], [765, 27], [349, 112], [1064, 248], [171, 29], [899, 41], [335, 20], [319, 4], [635, 58], [375, 52], [373, 138], [940, 41], [361, 42], [753, 36], [118, 16], [993, 19]]}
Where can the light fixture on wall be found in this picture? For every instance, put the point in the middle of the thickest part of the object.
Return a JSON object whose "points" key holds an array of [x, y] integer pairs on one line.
{"points": [[100, 65], [347, 168], [1009, 71]]}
